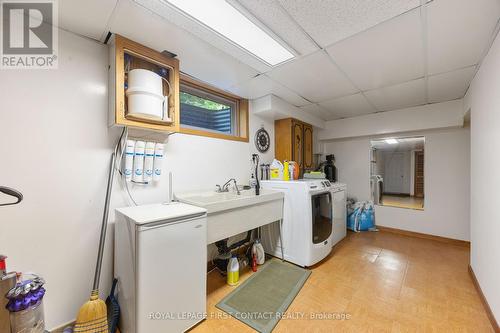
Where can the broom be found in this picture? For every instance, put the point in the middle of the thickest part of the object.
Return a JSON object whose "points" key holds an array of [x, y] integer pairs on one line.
{"points": [[93, 316]]}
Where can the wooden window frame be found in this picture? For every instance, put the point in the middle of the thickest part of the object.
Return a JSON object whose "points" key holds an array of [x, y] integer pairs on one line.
{"points": [[242, 125]]}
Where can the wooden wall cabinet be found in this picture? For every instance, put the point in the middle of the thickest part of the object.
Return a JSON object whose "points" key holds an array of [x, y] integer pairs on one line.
{"points": [[127, 55], [294, 142]]}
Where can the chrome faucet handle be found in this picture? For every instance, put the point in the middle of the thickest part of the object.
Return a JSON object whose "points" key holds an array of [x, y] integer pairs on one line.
{"points": [[218, 189], [236, 187], [225, 187]]}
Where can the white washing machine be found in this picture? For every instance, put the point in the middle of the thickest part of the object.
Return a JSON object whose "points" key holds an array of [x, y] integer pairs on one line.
{"points": [[310, 227]]}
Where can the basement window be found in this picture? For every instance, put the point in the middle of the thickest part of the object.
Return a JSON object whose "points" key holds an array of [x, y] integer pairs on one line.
{"points": [[208, 111]]}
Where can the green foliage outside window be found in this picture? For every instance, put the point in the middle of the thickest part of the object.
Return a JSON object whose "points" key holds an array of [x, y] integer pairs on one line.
{"points": [[193, 100]]}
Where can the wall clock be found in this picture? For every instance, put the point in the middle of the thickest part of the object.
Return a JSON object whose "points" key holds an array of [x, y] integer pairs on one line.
{"points": [[262, 140]]}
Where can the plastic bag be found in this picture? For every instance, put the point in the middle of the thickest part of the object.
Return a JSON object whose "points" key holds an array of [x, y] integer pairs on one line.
{"points": [[362, 217]]}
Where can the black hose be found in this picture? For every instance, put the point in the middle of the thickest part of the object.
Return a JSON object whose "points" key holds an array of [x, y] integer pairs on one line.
{"points": [[12, 192]]}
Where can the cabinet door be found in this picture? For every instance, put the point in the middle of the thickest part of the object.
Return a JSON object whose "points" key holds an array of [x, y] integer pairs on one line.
{"points": [[298, 143], [308, 147]]}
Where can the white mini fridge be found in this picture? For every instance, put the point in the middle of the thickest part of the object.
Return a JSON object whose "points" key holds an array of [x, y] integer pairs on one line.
{"points": [[160, 262]]}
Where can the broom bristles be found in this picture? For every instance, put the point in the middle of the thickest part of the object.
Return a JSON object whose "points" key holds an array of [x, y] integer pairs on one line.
{"points": [[92, 317]]}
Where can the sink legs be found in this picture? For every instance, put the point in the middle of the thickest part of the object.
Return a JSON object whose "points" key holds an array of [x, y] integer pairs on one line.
{"points": [[281, 242]]}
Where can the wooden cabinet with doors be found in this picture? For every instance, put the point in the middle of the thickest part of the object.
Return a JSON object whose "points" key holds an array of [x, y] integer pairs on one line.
{"points": [[294, 142], [126, 56]]}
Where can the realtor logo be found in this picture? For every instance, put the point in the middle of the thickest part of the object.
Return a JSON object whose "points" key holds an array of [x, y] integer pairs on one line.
{"points": [[29, 34]]}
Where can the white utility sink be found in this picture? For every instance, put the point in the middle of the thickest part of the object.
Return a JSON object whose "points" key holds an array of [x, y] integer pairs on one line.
{"points": [[230, 214], [216, 202]]}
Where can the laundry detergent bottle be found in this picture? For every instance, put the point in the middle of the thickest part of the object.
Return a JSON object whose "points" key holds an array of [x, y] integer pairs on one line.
{"points": [[233, 271], [276, 170], [258, 249], [286, 171]]}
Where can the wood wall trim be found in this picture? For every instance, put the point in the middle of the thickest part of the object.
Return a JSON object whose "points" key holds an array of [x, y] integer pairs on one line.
{"points": [[486, 306], [215, 135], [451, 241]]}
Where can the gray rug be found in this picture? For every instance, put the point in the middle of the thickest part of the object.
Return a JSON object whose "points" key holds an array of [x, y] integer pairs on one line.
{"points": [[261, 299]]}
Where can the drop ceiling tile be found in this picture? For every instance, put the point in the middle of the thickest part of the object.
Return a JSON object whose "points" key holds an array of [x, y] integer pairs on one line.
{"points": [[318, 111], [197, 58], [459, 31], [87, 18], [169, 13], [331, 21], [348, 106], [390, 53], [261, 86], [399, 96], [274, 17], [449, 86], [314, 77]]}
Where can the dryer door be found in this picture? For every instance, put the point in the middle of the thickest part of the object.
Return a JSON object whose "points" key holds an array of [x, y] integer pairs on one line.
{"points": [[321, 217]]}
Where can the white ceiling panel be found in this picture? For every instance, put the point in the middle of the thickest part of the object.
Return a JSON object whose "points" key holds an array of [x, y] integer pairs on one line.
{"points": [[333, 20], [261, 86], [318, 111], [314, 77], [449, 86], [271, 14], [171, 14], [390, 53], [404, 144], [197, 58], [459, 32], [87, 18], [399, 96], [348, 106]]}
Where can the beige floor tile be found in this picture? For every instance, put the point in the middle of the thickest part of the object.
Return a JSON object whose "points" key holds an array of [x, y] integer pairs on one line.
{"points": [[384, 282]]}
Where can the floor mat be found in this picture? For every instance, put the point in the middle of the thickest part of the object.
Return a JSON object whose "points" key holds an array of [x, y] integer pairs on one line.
{"points": [[261, 300]]}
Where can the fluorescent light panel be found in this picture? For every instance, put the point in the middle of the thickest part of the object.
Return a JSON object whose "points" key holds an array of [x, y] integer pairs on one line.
{"points": [[223, 18], [391, 141]]}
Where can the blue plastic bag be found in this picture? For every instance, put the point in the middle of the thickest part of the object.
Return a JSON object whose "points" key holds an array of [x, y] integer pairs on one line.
{"points": [[366, 219], [362, 218]]}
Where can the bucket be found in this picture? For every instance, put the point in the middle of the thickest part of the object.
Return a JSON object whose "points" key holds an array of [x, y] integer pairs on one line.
{"points": [[145, 95]]}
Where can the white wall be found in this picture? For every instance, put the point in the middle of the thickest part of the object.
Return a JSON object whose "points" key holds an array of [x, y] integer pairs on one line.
{"points": [[446, 185], [273, 107], [483, 98], [55, 148], [432, 116]]}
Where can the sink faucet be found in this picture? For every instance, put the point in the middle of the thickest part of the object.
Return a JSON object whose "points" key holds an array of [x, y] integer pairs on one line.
{"points": [[225, 187]]}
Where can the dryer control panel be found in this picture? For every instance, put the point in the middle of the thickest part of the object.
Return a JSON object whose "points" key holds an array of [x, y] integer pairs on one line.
{"points": [[319, 184]]}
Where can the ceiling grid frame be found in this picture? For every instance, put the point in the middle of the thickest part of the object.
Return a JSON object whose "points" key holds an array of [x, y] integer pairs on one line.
{"points": [[425, 31], [496, 31], [425, 45], [323, 49]]}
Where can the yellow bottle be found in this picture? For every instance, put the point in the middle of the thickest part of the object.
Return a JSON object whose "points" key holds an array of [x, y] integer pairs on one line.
{"points": [[286, 171], [233, 271]]}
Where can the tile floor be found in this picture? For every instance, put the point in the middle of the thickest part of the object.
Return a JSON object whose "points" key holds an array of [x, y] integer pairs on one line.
{"points": [[385, 282]]}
